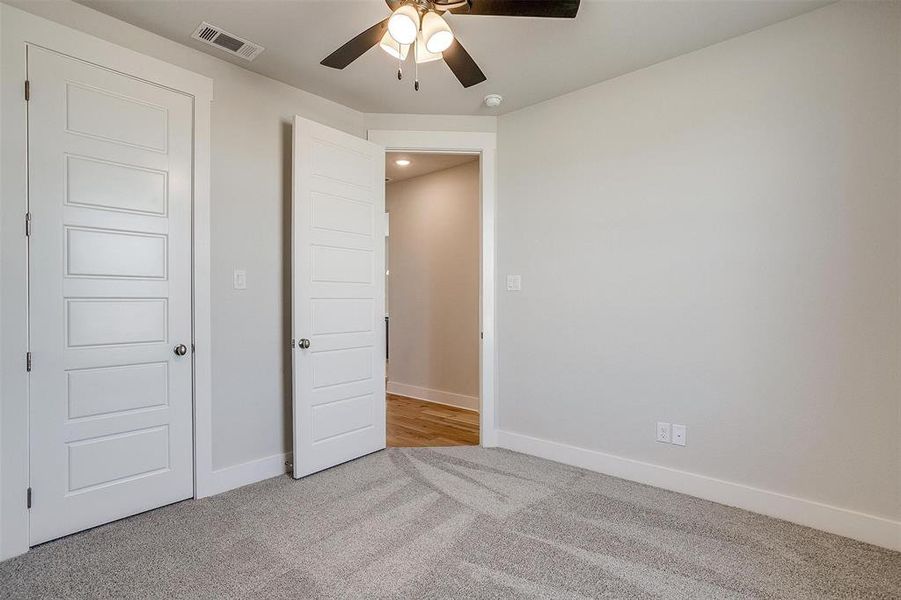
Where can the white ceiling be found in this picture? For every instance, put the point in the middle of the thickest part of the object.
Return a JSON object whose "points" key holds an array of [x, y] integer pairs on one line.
{"points": [[422, 164], [526, 60]]}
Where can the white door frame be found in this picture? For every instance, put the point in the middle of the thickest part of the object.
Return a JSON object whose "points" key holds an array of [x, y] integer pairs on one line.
{"points": [[20, 29], [484, 144]]}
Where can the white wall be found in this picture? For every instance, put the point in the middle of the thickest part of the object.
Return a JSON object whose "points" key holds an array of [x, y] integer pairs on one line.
{"points": [[714, 241], [250, 197], [433, 286]]}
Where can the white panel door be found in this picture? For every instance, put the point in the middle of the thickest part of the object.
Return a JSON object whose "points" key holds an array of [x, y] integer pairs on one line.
{"points": [[110, 295], [338, 297]]}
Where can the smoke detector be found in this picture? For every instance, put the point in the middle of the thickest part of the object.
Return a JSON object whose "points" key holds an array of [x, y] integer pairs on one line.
{"points": [[216, 36], [493, 100]]}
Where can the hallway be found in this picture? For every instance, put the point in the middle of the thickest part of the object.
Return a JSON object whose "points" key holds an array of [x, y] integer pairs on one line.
{"points": [[414, 423]]}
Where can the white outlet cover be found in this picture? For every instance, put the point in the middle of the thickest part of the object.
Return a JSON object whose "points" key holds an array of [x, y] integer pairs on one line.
{"points": [[514, 283], [664, 432], [679, 433], [240, 279]]}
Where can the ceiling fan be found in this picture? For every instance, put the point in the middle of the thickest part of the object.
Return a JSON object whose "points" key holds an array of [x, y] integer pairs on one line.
{"points": [[418, 24]]}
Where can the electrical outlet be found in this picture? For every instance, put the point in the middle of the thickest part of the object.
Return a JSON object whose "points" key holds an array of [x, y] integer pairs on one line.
{"points": [[514, 283], [679, 433], [664, 433]]}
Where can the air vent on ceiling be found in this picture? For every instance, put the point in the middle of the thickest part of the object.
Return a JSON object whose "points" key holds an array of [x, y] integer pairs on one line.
{"points": [[214, 36]]}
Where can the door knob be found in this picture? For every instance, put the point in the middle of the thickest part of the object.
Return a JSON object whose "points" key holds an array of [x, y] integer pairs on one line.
{"points": [[181, 350], [304, 343]]}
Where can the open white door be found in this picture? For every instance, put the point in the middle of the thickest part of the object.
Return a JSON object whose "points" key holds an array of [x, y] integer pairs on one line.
{"points": [[338, 304]]}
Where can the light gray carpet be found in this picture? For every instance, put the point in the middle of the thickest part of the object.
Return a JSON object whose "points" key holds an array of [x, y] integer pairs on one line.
{"points": [[451, 523]]}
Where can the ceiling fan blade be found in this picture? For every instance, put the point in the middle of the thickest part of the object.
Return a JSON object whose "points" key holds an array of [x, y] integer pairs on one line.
{"points": [[393, 4], [463, 66], [556, 9], [356, 47]]}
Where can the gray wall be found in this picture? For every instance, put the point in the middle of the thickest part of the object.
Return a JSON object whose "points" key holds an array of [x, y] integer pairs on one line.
{"points": [[433, 286], [714, 241]]}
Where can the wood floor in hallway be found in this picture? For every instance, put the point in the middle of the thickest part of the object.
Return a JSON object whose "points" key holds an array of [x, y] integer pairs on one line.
{"points": [[414, 423]]}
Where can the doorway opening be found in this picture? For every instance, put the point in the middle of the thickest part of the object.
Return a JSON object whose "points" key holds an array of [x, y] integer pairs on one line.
{"points": [[432, 298]]}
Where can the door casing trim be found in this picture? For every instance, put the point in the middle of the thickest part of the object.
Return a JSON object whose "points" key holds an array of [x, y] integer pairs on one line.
{"points": [[485, 145], [19, 30]]}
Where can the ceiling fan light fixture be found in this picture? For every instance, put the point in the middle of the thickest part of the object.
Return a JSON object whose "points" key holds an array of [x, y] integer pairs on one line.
{"points": [[410, 18], [436, 33], [390, 45], [422, 54], [403, 24]]}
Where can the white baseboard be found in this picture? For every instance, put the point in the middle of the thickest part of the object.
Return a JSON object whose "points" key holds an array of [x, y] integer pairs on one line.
{"points": [[436, 396], [860, 526], [229, 478]]}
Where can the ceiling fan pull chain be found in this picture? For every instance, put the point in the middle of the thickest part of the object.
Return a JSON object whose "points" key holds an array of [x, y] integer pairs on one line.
{"points": [[416, 70], [400, 70]]}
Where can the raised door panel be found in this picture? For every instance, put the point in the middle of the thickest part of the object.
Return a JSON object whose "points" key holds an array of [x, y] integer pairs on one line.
{"points": [[115, 390], [115, 117], [104, 184], [111, 459], [111, 253]]}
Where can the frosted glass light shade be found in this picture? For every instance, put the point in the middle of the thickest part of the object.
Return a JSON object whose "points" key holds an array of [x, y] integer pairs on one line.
{"points": [[436, 33], [421, 54], [390, 45], [404, 24]]}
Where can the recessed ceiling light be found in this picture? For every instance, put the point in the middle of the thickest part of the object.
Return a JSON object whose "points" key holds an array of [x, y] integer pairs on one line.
{"points": [[402, 162]]}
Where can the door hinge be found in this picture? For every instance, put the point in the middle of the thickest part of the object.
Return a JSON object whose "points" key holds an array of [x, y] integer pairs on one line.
{"points": [[28, 498], [28, 361], [27, 224], [292, 343], [27, 90], [481, 335]]}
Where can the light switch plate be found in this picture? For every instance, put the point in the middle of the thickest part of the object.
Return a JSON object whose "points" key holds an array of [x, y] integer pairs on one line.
{"points": [[514, 283], [678, 434], [240, 279], [664, 433]]}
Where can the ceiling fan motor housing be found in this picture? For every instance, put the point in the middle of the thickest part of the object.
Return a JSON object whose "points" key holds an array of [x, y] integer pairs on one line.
{"points": [[437, 5], [443, 5]]}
